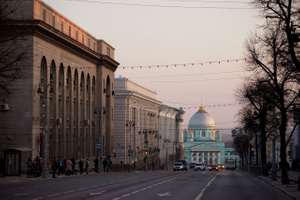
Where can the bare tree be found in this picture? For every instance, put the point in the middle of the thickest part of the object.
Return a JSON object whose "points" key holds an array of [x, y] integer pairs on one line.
{"points": [[268, 61], [12, 54], [286, 14]]}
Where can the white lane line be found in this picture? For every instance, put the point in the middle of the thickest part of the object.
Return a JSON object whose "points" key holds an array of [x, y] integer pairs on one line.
{"points": [[117, 198], [125, 195], [97, 193], [70, 191], [53, 195], [82, 188], [202, 191], [94, 186], [135, 192], [24, 193], [38, 198]]}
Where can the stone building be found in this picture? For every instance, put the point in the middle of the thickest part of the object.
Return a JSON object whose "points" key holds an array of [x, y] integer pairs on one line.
{"points": [[203, 143], [74, 74], [142, 125]]}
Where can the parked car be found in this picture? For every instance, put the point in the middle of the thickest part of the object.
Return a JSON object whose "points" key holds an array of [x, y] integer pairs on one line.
{"points": [[213, 167], [178, 166], [200, 166], [185, 164]]}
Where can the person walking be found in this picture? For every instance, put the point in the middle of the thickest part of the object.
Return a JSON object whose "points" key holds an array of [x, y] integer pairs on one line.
{"points": [[54, 167], [104, 165], [60, 166], [87, 165], [73, 166], [29, 167], [68, 167], [36, 168], [80, 166]]}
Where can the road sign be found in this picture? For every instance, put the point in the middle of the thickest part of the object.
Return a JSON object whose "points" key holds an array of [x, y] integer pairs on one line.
{"points": [[146, 147], [258, 145], [99, 145], [273, 135]]}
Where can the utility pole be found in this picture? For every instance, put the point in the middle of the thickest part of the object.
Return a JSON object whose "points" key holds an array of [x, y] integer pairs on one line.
{"points": [[130, 123], [99, 139]]}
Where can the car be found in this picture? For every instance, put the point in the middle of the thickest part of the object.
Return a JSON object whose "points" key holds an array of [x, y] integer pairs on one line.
{"points": [[185, 164], [221, 166], [213, 167], [178, 166], [200, 166], [192, 165]]}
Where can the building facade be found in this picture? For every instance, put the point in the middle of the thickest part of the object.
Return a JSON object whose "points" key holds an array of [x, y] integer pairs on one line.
{"points": [[143, 127], [203, 143], [73, 73]]}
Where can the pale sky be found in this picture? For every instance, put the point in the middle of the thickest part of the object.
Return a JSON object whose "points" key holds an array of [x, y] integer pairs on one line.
{"points": [[171, 32]]}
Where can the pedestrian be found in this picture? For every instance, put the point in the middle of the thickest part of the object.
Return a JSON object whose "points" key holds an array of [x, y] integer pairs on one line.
{"points": [[80, 166], [87, 165], [2, 167], [152, 164], [73, 166], [64, 170], [68, 167], [54, 167], [36, 167], [29, 167], [96, 164], [104, 165], [60, 166]]}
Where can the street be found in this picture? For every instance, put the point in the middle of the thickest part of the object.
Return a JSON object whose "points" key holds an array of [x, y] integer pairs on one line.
{"points": [[169, 185]]}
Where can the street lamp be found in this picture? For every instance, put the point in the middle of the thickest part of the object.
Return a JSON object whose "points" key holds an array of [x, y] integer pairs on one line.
{"points": [[130, 123], [99, 140], [44, 105]]}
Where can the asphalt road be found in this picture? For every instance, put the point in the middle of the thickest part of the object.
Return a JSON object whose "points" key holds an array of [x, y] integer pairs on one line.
{"points": [[191, 185]]}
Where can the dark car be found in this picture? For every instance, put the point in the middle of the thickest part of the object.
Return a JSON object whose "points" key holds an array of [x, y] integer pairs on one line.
{"points": [[213, 167], [185, 164]]}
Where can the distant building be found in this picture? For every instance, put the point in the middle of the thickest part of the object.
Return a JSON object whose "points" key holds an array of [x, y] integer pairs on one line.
{"points": [[143, 125], [203, 143], [79, 72]]}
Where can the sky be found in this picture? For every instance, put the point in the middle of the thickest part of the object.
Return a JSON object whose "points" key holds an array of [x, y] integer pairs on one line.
{"points": [[205, 39]]}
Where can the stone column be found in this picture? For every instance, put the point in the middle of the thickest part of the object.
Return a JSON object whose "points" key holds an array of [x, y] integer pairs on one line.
{"points": [[197, 156], [203, 156], [219, 157], [214, 158], [208, 154]]}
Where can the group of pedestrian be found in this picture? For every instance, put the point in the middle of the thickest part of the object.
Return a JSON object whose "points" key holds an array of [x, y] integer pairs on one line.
{"points": [[35, 167], [60, 166], [87, 166]]}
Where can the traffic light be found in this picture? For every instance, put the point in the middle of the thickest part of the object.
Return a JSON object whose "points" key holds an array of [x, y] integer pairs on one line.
{"points": [[252, 151], [146, 153]]}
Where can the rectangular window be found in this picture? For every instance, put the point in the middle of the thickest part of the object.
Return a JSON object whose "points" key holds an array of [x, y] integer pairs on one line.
{"points": [[53, 21], [89, 43], [82, 39], [94, 46], [70, 31], [108, 51], [77, 35], [62, 26], [44, 15]]}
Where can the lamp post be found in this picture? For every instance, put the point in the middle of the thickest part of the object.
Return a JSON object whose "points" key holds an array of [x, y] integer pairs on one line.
{"points": [[44, 105], [99, 139], [130, 123]]}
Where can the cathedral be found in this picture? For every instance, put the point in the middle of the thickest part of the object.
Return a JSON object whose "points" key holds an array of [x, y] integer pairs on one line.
{"points": [[203, 143]]}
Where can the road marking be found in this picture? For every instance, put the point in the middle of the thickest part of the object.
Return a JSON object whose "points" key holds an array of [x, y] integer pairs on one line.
{"points": [[125, 195], [97, 193], [24, 193], [202, 191], [164, 194], [135, 192], [70, 191], [82, 188], [94, 186], [53, 195], [38, 198]]}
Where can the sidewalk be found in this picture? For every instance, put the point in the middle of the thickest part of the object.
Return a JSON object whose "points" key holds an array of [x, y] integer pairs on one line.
{"points": [[23, 178], [291, 189]]}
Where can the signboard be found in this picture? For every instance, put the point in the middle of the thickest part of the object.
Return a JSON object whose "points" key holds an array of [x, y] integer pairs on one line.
{"points": [[146, 147], [99, 145], [273, 135]]}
